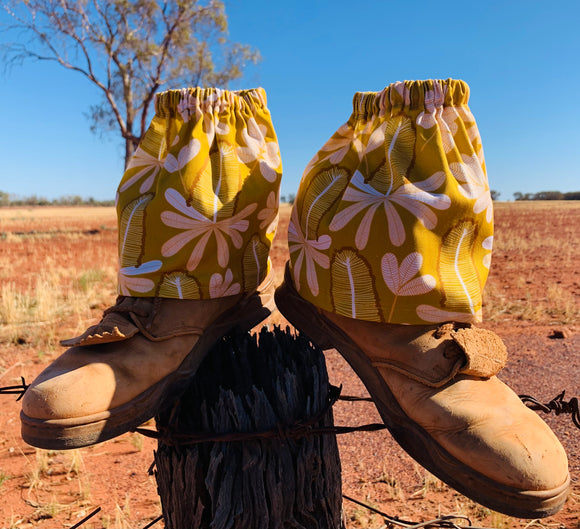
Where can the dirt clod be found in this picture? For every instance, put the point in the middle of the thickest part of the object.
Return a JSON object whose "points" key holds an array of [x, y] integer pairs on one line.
{"points": [[560, 334]]}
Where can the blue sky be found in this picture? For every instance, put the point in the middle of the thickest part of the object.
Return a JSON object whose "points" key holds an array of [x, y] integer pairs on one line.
{"points": [[520, 58]]}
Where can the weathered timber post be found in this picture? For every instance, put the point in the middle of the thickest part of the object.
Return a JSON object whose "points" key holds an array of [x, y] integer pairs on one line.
{"points": [[272, 471]]}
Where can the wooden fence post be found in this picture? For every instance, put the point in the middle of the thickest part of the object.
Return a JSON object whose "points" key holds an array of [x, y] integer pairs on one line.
{"points": [[274, 383]]}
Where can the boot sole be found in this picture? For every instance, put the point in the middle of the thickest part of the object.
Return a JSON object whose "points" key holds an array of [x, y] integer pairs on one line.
{"points": [[78, 432], [412, 437]]}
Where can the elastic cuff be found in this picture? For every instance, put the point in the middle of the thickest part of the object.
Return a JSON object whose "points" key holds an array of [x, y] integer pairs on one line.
{"points": [[184, 102], [410, 95]]}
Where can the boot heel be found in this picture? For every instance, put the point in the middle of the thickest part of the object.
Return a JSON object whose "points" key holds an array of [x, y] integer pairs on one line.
{"points": [[301, 314], [255, 309]]}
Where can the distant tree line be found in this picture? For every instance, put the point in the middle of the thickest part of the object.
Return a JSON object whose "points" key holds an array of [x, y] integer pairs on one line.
{"points": [[6, 199], [542, 195], [288, 199], [548, 195]]}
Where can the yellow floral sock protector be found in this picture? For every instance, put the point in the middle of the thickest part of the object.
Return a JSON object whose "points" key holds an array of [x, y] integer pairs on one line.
{"points": [[198, 204], [393, 219]]}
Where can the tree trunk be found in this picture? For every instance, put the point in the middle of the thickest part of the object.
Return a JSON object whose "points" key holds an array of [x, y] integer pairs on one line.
{"points": [[130, 147], [293, 482]]}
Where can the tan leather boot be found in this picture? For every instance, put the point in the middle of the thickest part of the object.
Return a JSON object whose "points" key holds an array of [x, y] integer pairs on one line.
{"points": [[120, 372], [436, 390]]}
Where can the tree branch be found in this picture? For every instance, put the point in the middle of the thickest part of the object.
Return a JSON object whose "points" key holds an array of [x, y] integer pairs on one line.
{"points": [[127, 49]]}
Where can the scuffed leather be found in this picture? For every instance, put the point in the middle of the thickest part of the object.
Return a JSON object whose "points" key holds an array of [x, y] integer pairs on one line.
{"points": [[483, 423], [430, 354], [113, 327], [157, 319], [442, 377], [117, 359]]}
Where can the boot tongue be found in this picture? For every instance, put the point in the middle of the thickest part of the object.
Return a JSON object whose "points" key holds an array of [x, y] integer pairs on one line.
{"points": [[435, 357], [485, 353], [115, 326]]}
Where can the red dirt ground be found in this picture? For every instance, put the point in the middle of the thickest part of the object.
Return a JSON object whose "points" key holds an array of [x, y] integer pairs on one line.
{"points": [[532, 303]]}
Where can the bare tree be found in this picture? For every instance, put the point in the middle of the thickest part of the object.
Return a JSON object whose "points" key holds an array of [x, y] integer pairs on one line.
{"points": [[129, 49]]}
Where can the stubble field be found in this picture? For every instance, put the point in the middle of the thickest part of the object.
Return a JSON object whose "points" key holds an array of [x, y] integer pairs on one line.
{"points": [[58, 273]]}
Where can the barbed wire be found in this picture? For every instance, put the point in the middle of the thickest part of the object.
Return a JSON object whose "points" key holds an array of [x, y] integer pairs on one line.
{"points": [[557, 405], [306, 428], [153, 522], [86, 518], [443, 522], [297, 430], [18, 389]]}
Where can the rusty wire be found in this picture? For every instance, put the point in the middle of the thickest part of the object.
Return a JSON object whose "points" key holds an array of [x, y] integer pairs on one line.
{"points": [[98, 509], [78, 524], [299, 429], [296, 431], [443, 522], [557, 405], [306, 428], [153, 522], [18, 389], [352, 398]]}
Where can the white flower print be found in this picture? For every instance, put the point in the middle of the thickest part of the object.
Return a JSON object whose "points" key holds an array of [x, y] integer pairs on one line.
{"points": [[401, 280], [190, 105], [194, 224], [217, 127], [265, 153], [377, 138], [487, 244], [269, 214], [311, 164], [273, 226], [436, 114], [414, 197], [403, 90], [473, 184], [212, 126], [437, 315], [465, 114], [185, 155], [309, 251], [205, 109], [220, 287], [472, 130], [350, 137], [347, 136], [150, 165], [128, 280], [447, 127]]}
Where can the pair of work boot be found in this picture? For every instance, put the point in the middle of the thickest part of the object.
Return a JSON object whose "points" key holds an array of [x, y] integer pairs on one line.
{"points": [[390, 241]]}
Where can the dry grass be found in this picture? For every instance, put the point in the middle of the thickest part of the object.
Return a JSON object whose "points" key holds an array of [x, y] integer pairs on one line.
{"points": [[58, 272], [429, 483], [35, 313], [58, 217], [534, 275]]}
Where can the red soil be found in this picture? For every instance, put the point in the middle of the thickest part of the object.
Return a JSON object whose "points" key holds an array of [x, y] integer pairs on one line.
{"points": [[534, 290]]}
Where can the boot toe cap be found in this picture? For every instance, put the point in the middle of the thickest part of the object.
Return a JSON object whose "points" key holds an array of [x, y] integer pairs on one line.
{"points": [[64, 394], [484, 424]]}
